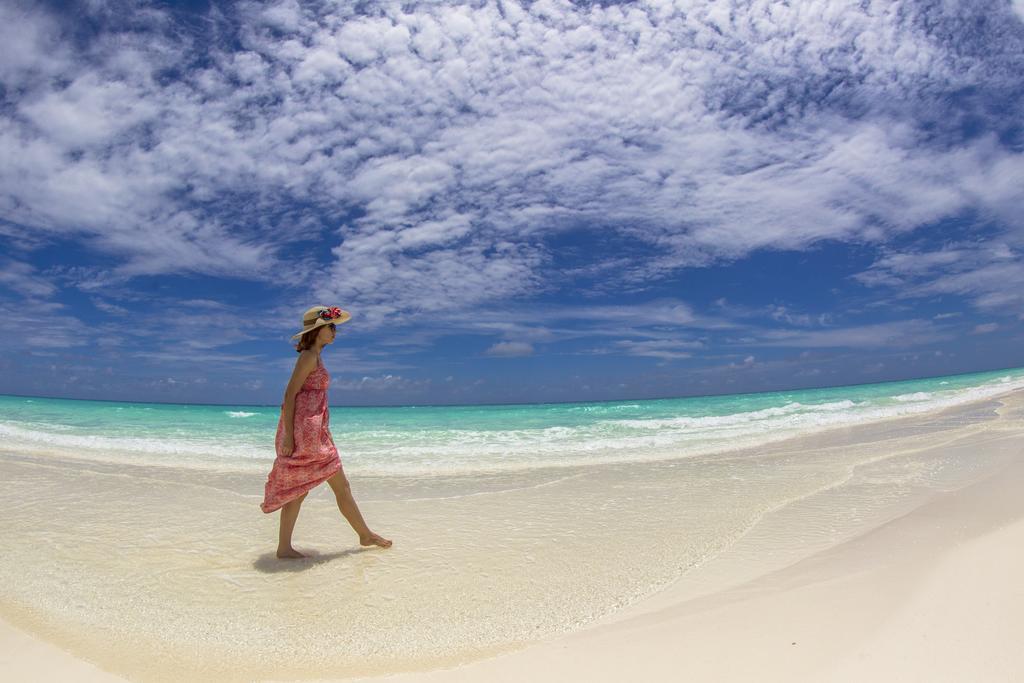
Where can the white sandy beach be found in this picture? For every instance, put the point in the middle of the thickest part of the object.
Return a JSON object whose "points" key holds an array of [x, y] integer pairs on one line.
{"points": [[929, 590]]}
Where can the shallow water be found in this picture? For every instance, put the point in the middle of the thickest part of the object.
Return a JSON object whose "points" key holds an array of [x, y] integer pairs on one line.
{"points": [[160, 572]]}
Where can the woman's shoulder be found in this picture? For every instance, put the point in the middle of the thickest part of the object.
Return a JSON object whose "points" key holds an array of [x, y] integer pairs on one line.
{"points": [[307, 359]]}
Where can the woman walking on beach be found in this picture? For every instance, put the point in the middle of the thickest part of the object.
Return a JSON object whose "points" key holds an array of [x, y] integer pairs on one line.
{"points": [[306, 455]]}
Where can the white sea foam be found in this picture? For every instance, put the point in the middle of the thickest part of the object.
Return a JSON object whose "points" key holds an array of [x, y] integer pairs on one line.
{"points": [[633, 440], [605, 408], [917, 396], [178, 450], [238, 413]]}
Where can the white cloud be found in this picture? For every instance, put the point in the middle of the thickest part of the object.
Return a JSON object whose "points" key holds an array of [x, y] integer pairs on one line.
{"points": [[25, 326], [785, 314], [437, 148], [657, 328], [380, 383], [89, 112], [904, 333], [747, 362], [510, 349], [109, 308], [665, 349], [985, 328], [32, 47], [23, 278], [284, 16], [989, 273]]}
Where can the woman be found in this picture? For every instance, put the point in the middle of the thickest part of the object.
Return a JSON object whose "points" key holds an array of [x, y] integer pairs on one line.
{"points": [[306, 456]]}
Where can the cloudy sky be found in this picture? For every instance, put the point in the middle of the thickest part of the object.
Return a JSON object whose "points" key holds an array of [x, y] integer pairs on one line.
{"points": [[537, 201]]}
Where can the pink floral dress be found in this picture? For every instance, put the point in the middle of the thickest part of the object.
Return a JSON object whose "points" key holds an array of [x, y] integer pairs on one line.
{"points": [[314, 459]]}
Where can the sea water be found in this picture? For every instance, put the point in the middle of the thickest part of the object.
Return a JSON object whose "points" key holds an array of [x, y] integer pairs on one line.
{"points": [[134, 536], [442, 440]]}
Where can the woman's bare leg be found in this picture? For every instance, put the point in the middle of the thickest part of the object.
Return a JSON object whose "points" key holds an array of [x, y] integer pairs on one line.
{"points": [[289, 513], [348, 507]]}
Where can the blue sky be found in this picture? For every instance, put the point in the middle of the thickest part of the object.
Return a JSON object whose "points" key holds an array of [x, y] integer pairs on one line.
{"points": [[540, 201]]}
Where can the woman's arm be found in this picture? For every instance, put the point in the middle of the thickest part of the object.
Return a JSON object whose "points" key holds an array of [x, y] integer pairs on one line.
{"points": [[303, 366]]}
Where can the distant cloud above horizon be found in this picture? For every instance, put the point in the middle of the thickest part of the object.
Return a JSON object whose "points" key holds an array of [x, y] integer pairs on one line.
{"points": [[541, 176]]}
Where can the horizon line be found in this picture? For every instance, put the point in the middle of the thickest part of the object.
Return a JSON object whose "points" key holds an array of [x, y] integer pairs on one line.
{"points": [[520, 403]]}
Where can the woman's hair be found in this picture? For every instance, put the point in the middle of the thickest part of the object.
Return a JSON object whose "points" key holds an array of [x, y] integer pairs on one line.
{"points": [[306, 341]]}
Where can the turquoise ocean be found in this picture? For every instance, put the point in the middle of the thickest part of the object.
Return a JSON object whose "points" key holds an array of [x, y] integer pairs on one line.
{"points": [[444, 440]]}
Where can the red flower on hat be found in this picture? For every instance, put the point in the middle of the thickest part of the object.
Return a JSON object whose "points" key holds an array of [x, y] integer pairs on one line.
{"points": [[331, 313]]}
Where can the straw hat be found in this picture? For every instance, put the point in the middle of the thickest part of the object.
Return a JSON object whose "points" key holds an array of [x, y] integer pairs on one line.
{"points": [[318, 316]]}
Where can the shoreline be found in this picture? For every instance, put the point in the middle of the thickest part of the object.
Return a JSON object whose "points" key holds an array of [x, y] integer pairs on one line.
{"points": [[783, 442], [660, 633]]}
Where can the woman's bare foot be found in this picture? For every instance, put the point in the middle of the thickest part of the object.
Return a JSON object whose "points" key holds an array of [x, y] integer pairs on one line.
{"points": [[288, 553], [374, 539]]}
